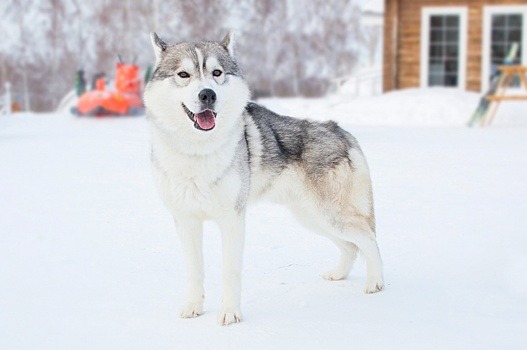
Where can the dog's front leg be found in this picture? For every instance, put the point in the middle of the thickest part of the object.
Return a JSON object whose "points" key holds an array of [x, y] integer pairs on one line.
{"points": [[190, 232], [233, 236]]}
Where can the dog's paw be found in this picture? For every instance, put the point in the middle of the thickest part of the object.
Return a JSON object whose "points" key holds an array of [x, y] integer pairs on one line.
{"points": [[335, 275], [228, 316], [192, 309], [374, 286]]}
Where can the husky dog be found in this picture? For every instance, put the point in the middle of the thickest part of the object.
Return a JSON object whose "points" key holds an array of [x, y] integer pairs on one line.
{"points": [[213, 152]]}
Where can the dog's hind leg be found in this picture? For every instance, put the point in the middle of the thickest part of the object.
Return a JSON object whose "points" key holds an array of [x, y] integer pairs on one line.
{"points": [[351, 235], [359, 233], [190, 232], [348, 254], [232, 229]]}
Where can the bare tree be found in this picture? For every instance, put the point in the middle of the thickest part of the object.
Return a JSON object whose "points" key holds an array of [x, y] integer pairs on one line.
{"points": [[285, 47]]}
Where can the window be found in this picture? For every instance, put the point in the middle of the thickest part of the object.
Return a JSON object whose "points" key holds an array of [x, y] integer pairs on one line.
{"points": [[503, 26], [443, 41], [443, 57]]}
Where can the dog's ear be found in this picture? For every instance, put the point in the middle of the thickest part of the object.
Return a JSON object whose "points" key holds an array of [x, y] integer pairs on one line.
{"points": [[159, 46], [228, 43]]}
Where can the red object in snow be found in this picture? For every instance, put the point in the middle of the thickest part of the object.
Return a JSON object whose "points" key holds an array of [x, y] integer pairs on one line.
{"points": [[124, 100]]}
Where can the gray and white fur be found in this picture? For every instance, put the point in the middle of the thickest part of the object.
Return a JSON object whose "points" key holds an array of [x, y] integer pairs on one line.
{"points": [[213, 152]]}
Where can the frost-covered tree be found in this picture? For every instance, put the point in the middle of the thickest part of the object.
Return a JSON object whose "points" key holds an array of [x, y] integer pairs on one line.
{"points": [[288, 47]]}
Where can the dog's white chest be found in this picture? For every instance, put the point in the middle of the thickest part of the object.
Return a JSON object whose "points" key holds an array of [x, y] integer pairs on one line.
{"points": [[183, 188], [197, 185], [190, 194]]}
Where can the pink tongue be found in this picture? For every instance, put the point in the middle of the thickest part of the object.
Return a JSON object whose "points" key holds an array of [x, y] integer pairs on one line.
{"points": [[206, 120]]}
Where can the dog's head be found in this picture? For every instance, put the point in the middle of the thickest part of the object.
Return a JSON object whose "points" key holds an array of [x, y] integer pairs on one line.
{"points": [[197, 88]]}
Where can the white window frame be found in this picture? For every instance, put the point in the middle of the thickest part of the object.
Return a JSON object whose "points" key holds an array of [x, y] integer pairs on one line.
{"points": [[488, 11], [426, 13]]}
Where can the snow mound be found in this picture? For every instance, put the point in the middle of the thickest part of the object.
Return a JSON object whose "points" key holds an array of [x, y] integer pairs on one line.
{"points": [[416, 107], [434, 107]]}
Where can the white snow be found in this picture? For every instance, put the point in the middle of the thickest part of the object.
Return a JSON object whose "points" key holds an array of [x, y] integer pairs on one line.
{"points": [[432, 107], [90, 260]]}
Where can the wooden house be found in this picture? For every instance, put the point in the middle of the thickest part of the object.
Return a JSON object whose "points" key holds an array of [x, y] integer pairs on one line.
{"points": [[450, 43]]}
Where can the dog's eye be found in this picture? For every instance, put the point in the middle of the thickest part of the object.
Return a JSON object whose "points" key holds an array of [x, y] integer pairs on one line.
{"points": [[183, 75], [216, 72]]}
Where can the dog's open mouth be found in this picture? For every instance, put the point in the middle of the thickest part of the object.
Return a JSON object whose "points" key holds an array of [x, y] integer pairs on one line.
{"points": [[205, 120]]}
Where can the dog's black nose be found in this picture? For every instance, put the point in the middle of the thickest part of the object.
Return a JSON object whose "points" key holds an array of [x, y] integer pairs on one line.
{"points": [[207, 96]]}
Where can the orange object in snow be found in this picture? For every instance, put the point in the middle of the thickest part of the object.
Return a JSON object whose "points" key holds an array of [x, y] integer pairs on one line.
{"points": [[100, 84], [124, 100]]}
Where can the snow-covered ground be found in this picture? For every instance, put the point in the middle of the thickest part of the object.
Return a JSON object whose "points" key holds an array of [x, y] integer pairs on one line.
{"points": [[89, 258]]}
